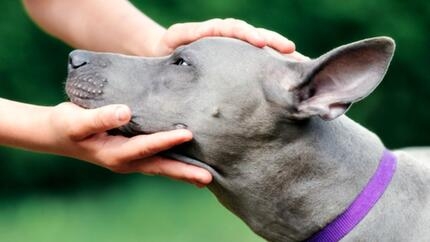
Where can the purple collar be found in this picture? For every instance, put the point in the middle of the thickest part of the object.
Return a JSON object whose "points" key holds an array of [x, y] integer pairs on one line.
{"points": [[362, 204]]}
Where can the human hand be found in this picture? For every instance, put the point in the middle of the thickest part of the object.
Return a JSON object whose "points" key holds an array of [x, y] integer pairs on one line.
{"points": [[184, 33], [81, 133]]}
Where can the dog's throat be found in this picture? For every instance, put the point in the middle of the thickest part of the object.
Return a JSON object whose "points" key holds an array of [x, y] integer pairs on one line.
{"points": [[362, 204]]}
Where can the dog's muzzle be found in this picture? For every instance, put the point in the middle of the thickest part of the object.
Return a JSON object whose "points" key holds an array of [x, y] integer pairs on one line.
{"points": [[83, 84]]}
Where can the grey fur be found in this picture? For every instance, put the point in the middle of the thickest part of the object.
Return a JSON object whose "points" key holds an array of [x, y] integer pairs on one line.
{"points": [[260, 124]]}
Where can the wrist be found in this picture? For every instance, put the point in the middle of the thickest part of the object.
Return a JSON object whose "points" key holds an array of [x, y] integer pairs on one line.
{"points": [[37, 133], [24, 125]]}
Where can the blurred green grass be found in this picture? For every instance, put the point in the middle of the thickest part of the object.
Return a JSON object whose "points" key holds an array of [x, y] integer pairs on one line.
{"points": [[139, 209]]}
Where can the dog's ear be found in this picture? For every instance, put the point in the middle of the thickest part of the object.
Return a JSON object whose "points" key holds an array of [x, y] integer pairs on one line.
{"points": [[329, 84]]}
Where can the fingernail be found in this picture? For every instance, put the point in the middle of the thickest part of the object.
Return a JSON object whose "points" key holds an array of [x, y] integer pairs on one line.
{"points": [[185, 133], [122, 113], [288, 47]]}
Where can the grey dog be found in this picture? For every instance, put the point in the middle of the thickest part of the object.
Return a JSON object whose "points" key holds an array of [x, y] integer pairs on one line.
{"points": [[271, 130]]}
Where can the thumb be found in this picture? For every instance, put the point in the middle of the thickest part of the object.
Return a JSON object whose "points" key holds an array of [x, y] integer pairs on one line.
{"points": [[93, 121]]}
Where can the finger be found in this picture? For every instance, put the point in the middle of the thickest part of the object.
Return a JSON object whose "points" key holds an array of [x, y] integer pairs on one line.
{"points": [[143, 146], [184, 33], [232, 28], [277, 41], [180, 34], [177, 170], [239, 29], [92, 121]]}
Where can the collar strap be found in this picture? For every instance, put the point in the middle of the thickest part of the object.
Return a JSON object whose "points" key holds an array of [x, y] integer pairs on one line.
{"points": [[360, 207]]}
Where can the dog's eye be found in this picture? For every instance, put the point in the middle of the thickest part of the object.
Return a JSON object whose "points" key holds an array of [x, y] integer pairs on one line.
{"points": [[180, 62]]}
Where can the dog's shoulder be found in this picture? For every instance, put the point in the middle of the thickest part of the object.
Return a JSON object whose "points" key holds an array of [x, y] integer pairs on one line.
{"points": [[422, 154]]}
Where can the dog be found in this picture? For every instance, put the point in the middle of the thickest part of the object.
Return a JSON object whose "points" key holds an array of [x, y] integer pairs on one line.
{"points": [[272, 131]]}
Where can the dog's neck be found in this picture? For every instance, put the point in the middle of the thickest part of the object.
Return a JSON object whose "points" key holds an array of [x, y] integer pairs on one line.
{"points": [[305, 184]]}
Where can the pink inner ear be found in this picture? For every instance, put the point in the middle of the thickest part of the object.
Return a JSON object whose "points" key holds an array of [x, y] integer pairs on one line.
{"points": [[351, 76], [345, 75]]}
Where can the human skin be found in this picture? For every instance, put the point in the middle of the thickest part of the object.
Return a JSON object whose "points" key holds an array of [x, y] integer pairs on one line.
{"points": [[69, 130]]}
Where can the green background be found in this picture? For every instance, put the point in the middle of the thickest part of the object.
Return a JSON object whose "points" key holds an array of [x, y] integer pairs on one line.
{"points": [[49, 198]]}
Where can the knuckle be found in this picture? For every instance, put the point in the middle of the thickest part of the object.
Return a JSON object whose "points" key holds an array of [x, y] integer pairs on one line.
{"points": [[175, 27], [116, 165], [241, 23], [73, 132], [62, 105], [101, 119], [172, 27], [215, 20], [266, 33], [213, 24], [230, 20], [261, 30], [208, 29], [237, 23], [112, 162], [148, 150], [153, 169]]}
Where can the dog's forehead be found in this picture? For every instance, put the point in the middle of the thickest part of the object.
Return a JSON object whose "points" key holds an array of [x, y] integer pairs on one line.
{"points": [[236, 51]]}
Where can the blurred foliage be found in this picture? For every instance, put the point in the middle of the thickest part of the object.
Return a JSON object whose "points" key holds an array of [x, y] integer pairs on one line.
{"points": [[40, 191], [137, 210]]}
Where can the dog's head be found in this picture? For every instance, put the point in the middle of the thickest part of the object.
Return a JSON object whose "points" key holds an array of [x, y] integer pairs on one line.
{"points": [[230, 94], [234, 97]]}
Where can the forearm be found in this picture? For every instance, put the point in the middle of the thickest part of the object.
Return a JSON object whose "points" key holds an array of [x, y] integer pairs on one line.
{"points": [[114, 25], [24, 125]]}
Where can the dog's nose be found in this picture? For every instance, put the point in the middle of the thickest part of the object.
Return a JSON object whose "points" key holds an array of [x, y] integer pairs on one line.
{"points": [[78, 59]]}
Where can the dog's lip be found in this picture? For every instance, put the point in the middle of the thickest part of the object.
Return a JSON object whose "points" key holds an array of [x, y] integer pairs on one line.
{"points": [[79, 101], [192, 161], [84, 90]]}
